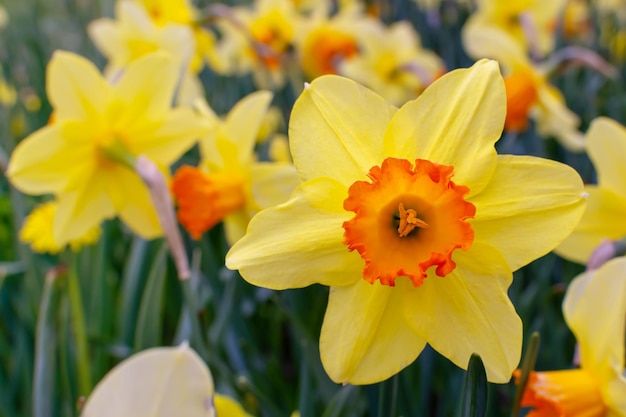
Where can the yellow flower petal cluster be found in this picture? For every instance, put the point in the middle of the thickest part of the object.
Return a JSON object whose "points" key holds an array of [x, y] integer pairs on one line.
{"points": [[594, 308], [528, 91], [85, 157], [230, 185], [606, 210], [348, 143], [37, 231]]}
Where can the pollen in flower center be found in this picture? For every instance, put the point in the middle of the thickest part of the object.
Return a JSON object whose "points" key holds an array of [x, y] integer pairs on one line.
{"points": [[407, 219]]}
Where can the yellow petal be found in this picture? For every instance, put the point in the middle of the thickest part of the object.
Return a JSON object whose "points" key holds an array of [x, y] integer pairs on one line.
{"points": [[105, 34], [528, 208], [166, 142], [603, 219], [147, 88], [606, 144], [235, 225], [272, 183], [244, 120], [614, 396], [45, 162], [468, 311], [365, 338], [336, 130], [133, 202], [81, 209], [555, 119], [75, 87], [157, 382], [482, 41], [456, 121], [303, 239], [227, 407], [594, 308]]}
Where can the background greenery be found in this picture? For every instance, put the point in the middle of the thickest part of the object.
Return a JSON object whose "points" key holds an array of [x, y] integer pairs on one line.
{"points": [[262, 345]]}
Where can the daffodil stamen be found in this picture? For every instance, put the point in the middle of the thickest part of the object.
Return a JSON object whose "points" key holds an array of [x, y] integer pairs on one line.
{"points": [[383, 230], [409, 221]]}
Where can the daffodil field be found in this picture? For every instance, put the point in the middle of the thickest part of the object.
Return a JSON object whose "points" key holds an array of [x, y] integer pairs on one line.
{"points": [[335, 208]]}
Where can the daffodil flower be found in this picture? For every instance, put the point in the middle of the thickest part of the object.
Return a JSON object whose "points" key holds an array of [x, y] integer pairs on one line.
{"points": [[605, 213], [393, 63], [85, 158], [414, 222], [230, 185], [37, 231], [595, 310], [529, 94]]}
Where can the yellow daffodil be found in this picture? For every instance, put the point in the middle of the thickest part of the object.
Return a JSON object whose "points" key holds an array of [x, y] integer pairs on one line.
{"points": [[182, 12], [324, 42], [133, 35], [227, 407], [529, 94], [259, 39], [414, 222], [37, 231], [83, 157], [594, 308], [605, 213], [532, 23], [230, 186], [393, 63]]}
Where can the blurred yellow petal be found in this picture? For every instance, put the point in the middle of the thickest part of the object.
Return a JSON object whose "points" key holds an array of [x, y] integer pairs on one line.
{"points": [[555, 119], [365, 338], [146, 88], [227, 407], [244, 121], [518, 205], [470, 106], [488, 42], [165, 142], [606, 144], [468, 311], [302, 238], [39, 163], [595, 308], [323, 140], [603, 219], [75, 87], [81, 209]]}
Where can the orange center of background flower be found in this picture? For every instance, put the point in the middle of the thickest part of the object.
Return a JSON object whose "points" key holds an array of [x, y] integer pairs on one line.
{"points": [[521, 95], [408, 218], [570, 392], [205, 199], [325, 48]]}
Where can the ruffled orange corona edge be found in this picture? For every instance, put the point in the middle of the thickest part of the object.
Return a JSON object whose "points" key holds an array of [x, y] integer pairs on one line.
{"points": [[408, 218]]}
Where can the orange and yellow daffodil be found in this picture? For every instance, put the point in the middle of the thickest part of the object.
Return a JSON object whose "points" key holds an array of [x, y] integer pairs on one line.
{"points": [[606, 210], [230, 185], [529, 93], [413, 220], [594, 308], [532, 23], [85, 158], [393, 63]]}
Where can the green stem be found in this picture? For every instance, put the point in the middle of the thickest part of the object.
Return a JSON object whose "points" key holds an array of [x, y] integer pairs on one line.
{"points": [[197, 339], [80, 334], [528, 365]]}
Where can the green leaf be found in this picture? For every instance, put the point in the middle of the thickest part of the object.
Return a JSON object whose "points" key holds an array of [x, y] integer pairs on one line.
{"points": [[150, 318], [474, 396]]}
